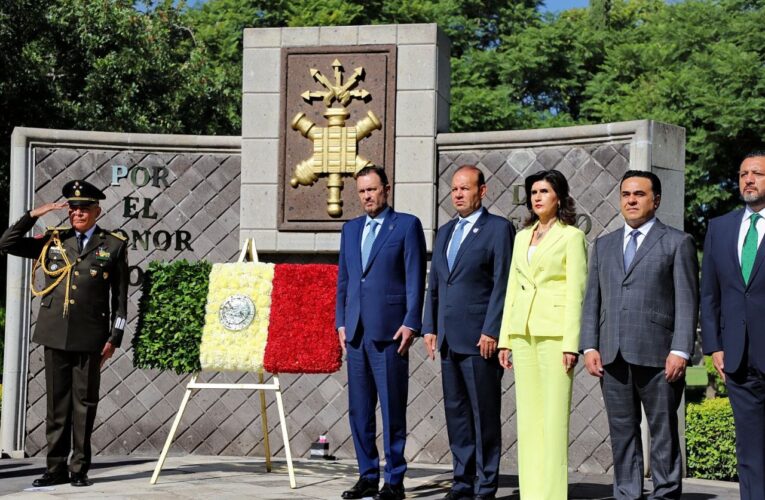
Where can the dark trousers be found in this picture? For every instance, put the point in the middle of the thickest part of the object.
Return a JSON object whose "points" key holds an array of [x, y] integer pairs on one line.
{"points": [[472, 403], [746, 390], [71, 380], [375, 369], [625, 386]]}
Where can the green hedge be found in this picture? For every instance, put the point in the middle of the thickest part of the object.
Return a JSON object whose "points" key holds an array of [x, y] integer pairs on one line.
{"points": [[711, 440], [715, 382], [171, 316]]}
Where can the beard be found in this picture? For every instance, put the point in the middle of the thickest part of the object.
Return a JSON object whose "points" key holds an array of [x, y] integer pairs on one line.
{"points": [[755, 198]]}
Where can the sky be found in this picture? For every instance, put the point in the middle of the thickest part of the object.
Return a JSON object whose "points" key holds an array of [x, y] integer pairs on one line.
{"points": [[550, 5], [559, 5]]}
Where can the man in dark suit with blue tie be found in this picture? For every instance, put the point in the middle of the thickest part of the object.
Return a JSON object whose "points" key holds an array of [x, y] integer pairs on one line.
{"points": [[733, 321], [380, 288], [463, 313]]}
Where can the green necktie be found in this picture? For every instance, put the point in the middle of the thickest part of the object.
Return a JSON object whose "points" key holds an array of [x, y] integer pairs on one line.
{"points": [[749, 250]]}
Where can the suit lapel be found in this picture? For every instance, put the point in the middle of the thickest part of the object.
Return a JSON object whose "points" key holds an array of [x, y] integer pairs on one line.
{"points": [[69, 242], [387, 228], [94, 242], [522, 243], [443, 241], [654, 235], [356, 230], [472, 236], [553, 235], [731, 242]]}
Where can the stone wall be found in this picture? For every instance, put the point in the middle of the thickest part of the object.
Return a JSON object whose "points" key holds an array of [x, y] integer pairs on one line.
{"points": [[137, 406]]}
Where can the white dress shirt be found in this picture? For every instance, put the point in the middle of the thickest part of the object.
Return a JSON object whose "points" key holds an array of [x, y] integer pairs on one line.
{"points": [[368, 226], [469, 223], [744, 228], [88, 235]]}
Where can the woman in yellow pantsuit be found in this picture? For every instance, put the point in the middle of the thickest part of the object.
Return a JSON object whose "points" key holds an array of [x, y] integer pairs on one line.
{"points": [[540, 332]]}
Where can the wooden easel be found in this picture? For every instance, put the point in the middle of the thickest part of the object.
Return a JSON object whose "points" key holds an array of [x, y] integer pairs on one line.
{"points": [[248, 254]]}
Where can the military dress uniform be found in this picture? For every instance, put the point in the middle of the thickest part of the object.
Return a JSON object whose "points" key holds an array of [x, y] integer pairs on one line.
{"points": [[83, 305]]}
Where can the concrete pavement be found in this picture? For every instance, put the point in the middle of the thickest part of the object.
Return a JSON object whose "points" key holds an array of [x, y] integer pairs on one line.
{"points": [[222, 478]]}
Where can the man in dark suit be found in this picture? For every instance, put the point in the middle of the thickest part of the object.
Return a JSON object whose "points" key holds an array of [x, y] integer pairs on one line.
{"points": [[463, 313], [84, 266], [380, 288], [638, 326], [733, 318]]}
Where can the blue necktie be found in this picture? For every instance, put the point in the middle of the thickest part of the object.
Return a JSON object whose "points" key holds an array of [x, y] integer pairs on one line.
{"points": [[366, 248], [631, 250], [451, 256]]}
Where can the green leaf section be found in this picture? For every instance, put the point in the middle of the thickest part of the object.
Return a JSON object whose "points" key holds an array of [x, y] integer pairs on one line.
{"points": [[711, 440], [171, 316]]}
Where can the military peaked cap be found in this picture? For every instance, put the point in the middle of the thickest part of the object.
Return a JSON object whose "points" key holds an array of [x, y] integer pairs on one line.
{"points": [[82, 193]]}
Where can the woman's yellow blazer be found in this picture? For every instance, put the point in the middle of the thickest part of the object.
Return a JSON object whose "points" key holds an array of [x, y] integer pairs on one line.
{"points": [[544, 297]]}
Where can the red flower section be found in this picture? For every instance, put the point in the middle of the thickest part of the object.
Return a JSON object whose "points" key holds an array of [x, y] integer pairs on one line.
{"points": [[301, 330]]}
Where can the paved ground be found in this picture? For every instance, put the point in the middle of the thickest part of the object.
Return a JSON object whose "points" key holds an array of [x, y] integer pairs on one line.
{"points": [[219, 478]]}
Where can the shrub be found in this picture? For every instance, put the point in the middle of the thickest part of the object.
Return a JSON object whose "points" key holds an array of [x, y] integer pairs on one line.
{"points": [[171, 315], [715, 382], [711, 440]]}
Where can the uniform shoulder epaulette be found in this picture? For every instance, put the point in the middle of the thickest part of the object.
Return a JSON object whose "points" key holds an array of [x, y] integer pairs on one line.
{"points": [[119, 236]]}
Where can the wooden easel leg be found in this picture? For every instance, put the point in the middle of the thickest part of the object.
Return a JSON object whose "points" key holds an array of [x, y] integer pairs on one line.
{"points": [[285, 434], [173, 429], [264, 422]]}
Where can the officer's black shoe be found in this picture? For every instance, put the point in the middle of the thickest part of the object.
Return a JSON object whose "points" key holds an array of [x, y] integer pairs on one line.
{"points": [[80, 479], [363, 488], [391, 492], [49, 479], [489, 496]]}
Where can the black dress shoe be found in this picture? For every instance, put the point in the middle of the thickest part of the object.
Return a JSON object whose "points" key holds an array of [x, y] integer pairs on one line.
{"points": [[485, 497], [80, 479], [49, 479], [362, 488], [391, 492], [456, 495]]}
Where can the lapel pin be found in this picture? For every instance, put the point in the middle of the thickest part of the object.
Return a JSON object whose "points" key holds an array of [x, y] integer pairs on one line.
{"points": [[475, 230]]}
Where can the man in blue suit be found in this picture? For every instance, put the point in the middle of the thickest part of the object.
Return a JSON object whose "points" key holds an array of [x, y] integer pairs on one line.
{"points": [[463, 313], [380, 288], [733, 318]]}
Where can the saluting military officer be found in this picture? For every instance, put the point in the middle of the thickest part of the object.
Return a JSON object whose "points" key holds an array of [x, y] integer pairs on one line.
{"points": [[83, 309]]}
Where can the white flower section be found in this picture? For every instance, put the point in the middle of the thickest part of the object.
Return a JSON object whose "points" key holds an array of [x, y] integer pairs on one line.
{"points": [[242, 350]]}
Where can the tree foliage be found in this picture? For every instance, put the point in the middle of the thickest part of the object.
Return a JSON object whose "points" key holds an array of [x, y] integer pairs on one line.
{"points": [[165, 67]]}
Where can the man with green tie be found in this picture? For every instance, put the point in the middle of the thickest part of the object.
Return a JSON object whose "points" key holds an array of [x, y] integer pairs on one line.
{"points": [[732, 318]]}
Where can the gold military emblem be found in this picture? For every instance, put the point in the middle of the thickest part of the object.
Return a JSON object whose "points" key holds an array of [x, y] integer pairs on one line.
{"points": [[334, 146], [77, 192], [93, 273]]}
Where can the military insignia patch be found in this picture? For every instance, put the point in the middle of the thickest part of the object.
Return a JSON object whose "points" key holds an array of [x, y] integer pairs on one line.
{"points": [[93, 273], [102, 254]]}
